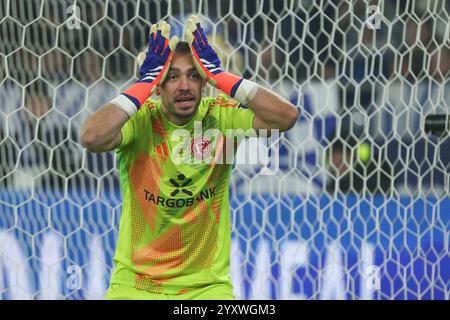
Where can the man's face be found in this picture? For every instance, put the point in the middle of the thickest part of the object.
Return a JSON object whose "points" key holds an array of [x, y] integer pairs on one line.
{"points": [[182, 89]]}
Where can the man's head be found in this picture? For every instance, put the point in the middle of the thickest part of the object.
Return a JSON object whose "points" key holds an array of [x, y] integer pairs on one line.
{"points": [[182, 88]]}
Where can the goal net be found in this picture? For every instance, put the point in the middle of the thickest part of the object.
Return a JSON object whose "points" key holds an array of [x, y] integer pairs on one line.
{"points": [[354, 203]]}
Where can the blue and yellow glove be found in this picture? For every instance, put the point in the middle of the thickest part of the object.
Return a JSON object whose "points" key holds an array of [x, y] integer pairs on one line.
{"points": [[154, 67], [208, 65]]}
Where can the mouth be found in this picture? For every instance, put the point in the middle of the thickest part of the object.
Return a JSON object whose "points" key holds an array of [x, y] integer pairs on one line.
{"points": [[184, 101]]}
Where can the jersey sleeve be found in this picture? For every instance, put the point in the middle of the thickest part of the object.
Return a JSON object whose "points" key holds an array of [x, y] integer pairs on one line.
{"points": [[234, 115], [131, 129], [128, 132]]}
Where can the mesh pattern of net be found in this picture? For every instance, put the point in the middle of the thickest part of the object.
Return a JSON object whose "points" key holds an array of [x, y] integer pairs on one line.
{"points": [[333, 210]]}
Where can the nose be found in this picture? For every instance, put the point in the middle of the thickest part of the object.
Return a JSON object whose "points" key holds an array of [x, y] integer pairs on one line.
{"points": [[183, 83]]}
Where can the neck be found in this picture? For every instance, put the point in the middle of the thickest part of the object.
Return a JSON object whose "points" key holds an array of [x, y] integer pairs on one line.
{"points": [[179, 121]]}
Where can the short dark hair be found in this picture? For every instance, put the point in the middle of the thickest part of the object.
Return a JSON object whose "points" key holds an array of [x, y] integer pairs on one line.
{"points": [[182, 46]]}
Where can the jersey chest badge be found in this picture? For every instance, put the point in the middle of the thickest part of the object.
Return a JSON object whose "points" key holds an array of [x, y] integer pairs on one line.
{"points": [[201, 148]]}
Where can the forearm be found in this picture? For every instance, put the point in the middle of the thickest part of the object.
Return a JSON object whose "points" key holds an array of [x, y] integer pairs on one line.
{"points": [[101, 131], [272, 111]]}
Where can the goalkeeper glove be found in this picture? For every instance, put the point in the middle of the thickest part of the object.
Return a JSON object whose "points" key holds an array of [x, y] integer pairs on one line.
{"points": [[154, 68], [207, 64]]}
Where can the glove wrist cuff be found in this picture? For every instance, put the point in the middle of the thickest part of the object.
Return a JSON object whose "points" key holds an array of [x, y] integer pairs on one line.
{"points": [[227, 82], [139, 92], [236, 87], [125, 103], [246, 91]]}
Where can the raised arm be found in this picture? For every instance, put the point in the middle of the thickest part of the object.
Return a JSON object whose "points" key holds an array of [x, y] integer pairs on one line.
{"points": [[271, 110], [102, 130]]}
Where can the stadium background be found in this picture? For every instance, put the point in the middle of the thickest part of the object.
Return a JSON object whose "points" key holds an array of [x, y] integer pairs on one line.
{"points": [[327, 225]]}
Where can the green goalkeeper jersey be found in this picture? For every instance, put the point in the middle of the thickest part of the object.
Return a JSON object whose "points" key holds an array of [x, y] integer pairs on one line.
{"points": [[175, 232]]}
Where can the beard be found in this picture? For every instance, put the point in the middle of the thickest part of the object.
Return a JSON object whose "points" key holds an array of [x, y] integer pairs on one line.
{"points": [[184, 109]]}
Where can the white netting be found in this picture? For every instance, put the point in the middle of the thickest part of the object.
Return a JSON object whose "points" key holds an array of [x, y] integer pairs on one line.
{"points": [[333, 222]]}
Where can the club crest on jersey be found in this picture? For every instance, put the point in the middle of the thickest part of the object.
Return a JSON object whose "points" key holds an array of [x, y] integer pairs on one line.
{"points": [[201, 148]]}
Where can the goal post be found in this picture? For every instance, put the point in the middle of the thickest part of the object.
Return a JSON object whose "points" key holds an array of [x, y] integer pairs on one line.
{"points": [[355, 199]]}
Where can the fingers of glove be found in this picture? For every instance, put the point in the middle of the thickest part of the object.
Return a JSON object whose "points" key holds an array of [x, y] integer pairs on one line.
{"points": [[199, 68], [140, 61], [166, 55], [202, 34], [165, 29], [160, 42], [166, 52], [191, 23], [196, 47], [141, 57], [195, 28], [164, 74], [190, 28], [165, 32], [188, 36], [173, 43], [199, 40], [153, 29]]}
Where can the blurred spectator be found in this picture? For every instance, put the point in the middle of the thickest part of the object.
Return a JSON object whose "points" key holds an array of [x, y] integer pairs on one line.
{"points": [[321, 52], [88, 67], [352, 169], [42, 135], [55, 66], [414, 50], [440, 64], [360, 72]]}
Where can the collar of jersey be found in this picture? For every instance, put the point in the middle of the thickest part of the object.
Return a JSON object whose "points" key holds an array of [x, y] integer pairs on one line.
{"points": [[198, 115]]}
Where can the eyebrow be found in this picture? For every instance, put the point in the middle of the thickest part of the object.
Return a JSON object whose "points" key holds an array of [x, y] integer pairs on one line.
{"points": [[179, 70]]}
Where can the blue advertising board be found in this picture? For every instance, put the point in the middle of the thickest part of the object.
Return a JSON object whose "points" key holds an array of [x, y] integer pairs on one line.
{"points": [[347, 247]]}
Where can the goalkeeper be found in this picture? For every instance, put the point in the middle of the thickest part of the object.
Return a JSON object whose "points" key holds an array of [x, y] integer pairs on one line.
{"points": [[174, 233]]}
